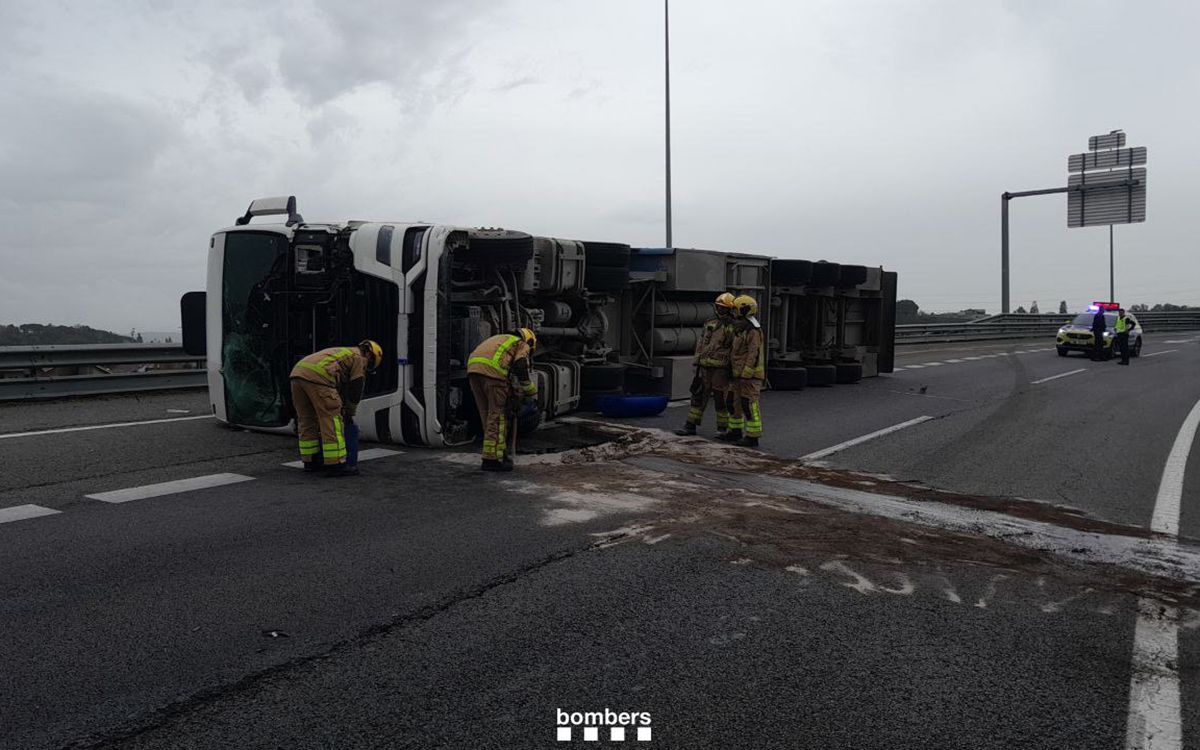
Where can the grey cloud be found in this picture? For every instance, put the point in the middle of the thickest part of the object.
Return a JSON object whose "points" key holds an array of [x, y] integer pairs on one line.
{"points": [[517, 83], [334, 47], [65, 143]]}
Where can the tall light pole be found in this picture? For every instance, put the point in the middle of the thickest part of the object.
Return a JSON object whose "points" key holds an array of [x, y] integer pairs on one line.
{"points": [[667, 69]]}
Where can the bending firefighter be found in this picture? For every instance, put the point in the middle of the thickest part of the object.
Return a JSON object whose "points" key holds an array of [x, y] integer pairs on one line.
{"points": [[499, 372], [747, 368], [712, 368], [326, 388]]}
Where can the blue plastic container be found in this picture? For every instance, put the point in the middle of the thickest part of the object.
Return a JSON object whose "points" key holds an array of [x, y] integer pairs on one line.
{"points": [[351, 445], [631, 406]]}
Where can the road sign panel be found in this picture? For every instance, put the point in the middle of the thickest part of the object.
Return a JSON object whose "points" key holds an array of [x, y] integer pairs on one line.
{"points": [[1099, 198], [1111, 140], [1125, 157]]}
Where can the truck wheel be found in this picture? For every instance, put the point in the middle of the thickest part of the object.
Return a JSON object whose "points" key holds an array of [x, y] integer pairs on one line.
{"points": [[1137, 350], [1061, 351], [852, 275], [606, 255], [604, 279], [821, 374], [848, 372], [497, 247], [787, 378], [605, 377]]}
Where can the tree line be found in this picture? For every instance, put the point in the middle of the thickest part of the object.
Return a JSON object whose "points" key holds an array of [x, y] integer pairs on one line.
{"points": [[37, 334]]}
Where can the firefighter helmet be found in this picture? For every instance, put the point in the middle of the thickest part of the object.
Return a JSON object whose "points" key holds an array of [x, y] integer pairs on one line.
{"points": [[746, 306], [373, 353], [725, 300], [529, 337]]}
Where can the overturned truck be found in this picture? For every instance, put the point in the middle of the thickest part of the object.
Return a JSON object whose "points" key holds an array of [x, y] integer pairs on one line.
{"points": [[610, 318]]}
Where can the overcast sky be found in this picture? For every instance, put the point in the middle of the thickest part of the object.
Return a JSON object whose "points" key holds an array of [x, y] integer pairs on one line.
{"points": [[879, 133]]}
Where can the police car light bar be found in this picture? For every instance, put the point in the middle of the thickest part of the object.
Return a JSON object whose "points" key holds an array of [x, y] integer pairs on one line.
{"points": [[1104, 306]]}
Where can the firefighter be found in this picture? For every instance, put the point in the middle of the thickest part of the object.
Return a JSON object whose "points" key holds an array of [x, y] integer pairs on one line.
{"points": [[747, 368], [712, 368], [499, 370], [326, 388]]}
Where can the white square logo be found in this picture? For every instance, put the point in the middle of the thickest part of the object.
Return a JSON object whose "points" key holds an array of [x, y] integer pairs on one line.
{"points": [[643, 734], [591, 734], [616, 734], [564, 734]]}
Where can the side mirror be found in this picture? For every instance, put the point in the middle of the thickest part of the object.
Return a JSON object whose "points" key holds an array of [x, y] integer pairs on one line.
{"points": [[193, 314]]}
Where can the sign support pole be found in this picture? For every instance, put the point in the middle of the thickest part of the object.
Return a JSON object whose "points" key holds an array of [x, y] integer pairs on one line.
{"points": [[1004, 199], [1112, 293]]}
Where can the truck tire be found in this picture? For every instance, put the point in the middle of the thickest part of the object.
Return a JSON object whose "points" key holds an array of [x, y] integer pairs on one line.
{"points": [[823, 375], [604, 279], [848, 372], [606, 255], [787, 378], [497, 247], [825, 274], [791, 272], [605, 377], [852, 276]]}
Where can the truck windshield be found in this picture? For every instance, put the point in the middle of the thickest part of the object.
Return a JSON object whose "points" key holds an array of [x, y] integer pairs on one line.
{"points": [[254, 378]]}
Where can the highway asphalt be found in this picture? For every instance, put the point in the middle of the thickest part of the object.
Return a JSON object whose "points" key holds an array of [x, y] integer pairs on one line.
{"points": [[426, 605]]}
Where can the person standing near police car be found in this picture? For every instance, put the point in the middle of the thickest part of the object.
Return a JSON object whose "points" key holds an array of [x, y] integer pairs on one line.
{"points": [[1099, 326], [1124, 325]]}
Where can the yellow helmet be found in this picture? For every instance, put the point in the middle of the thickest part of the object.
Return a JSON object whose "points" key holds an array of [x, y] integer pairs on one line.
{"points": [[725, 300], [529, 337], [373, 352], [746, 306]]}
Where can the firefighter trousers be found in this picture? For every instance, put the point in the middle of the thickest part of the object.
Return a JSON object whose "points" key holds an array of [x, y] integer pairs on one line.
{"points": [[319, 422], [491, 398], [711, 383], [745, 412]]}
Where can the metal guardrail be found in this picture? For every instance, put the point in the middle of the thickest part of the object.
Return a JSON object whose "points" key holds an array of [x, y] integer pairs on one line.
{"points": [[43, 372], [1017, 326]]}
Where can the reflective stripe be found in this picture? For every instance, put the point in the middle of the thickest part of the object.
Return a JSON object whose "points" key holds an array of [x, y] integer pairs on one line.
{"points": [[309, 450], [529, 388], [494, 361], [317, 369], [754, 423], [502, 441], [695, 415], [736, 423]]}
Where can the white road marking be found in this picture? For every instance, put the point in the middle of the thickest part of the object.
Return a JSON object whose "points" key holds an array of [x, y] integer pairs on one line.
{"points": [[955, 361], [1155, 721], [1170, 488], [934, 364], [368, 455], [1060, 375], [21, 512], [863, 438], [1164, 351], [897, 369], [101, 426], [169, 488], [973, 359], [1179, 341], [677, 404], [916, 367]]}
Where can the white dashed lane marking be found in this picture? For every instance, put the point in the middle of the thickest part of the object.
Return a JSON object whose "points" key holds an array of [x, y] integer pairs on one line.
{"points": [[21, 512], [367, 455], [863, 438], [1060, 375], [101, 426], [1165, 351], [169, 488]]}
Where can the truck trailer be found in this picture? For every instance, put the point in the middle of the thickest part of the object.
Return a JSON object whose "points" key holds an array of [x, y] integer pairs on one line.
{"points": [[610, 318]]}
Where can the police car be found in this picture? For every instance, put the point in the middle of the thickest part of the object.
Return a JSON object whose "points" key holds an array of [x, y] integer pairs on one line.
{"points": [[1076, 336]]}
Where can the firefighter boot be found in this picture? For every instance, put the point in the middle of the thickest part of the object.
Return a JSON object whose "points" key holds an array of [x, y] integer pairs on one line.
{"points": [[341, 470], [687, 429], [491, 464], [732, 436], [748, 442]]}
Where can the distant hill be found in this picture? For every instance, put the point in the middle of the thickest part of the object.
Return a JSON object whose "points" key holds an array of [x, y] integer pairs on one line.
{"points": [[33, 334]]}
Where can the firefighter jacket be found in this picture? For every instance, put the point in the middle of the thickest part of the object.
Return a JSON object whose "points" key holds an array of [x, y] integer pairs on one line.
{"points": [[712, 350], [503, 357], [339, 367], [746, 359]]}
